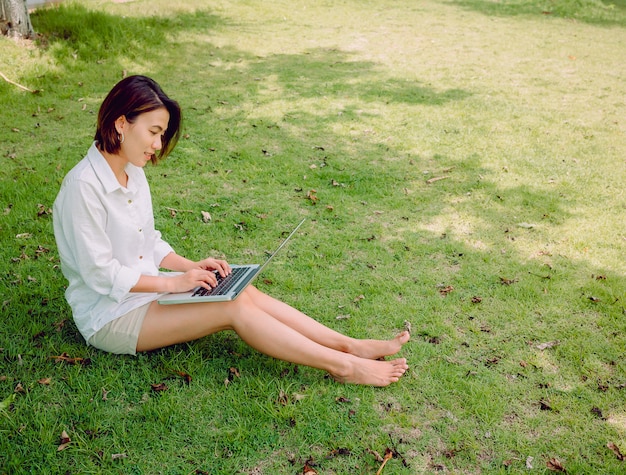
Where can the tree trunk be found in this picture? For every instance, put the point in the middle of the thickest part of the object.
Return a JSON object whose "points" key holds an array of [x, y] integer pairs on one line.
{"points": [[14, 19]]}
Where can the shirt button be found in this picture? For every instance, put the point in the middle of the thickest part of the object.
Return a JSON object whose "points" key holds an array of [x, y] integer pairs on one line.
{"points": [[140, 257], [130, 201], [140, 229]]}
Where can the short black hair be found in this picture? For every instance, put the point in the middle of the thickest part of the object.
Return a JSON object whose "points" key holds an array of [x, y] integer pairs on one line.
{"points": [[131, 97]]}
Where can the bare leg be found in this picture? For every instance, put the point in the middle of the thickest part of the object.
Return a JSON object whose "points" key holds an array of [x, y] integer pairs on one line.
{"points": [[165, 325], [312, 329]]}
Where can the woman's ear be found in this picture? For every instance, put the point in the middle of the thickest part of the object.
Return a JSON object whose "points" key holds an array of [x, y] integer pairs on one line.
{"points": [[120, 123]]}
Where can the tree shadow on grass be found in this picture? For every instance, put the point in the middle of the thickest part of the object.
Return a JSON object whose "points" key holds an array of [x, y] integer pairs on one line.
{"points": [[602, 13], [335, 73]]}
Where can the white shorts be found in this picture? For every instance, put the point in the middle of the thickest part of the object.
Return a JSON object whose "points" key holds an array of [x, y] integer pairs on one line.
{"points": [[120, 336]]}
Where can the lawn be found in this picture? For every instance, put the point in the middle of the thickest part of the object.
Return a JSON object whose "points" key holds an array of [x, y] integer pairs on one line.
{"points": [[461, 165]]}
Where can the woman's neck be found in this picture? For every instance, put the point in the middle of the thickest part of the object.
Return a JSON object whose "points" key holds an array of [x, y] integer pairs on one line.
{"points": [[118, 166]]}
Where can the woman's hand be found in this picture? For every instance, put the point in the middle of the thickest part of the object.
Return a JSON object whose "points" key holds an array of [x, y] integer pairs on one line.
{"points": [[191, 279], [203, 274], [218, 265]]}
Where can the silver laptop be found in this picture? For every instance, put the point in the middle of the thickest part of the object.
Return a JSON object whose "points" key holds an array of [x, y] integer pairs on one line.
{"points": [[229, 287]]}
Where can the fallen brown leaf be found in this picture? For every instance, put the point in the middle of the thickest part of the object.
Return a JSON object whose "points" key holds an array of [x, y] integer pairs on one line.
{"points": [[446, 290], [308, 470], [556, 466], [596, 411], [283, 399], [65, 358], [311, 195], [388, 456], [184, 375], [341, 451], [616, 451], [494, 360], [43, 211], [64, 442], [546, 345], [159, 387]]}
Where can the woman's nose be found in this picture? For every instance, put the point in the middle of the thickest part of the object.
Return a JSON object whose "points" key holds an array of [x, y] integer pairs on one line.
{"points": [[158, 142]]}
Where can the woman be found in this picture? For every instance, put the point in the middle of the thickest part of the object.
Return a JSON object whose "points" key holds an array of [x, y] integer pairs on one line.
{"points": [[111, 254]]}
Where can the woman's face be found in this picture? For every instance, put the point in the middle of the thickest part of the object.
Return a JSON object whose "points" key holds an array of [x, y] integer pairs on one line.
{"points": [[143, 137]]}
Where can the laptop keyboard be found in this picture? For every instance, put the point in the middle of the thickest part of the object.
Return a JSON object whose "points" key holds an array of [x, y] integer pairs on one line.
{"points": [[224, 284]]}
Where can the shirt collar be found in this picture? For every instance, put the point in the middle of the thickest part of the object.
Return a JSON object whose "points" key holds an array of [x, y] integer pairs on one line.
{"points": [[105, 174]]}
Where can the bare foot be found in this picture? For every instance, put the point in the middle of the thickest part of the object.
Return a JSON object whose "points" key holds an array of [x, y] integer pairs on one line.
{"points": [[372, 372], [375, 349]]}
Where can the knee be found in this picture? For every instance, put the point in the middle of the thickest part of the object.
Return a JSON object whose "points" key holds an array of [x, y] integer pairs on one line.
{"points": [[242, 305]]}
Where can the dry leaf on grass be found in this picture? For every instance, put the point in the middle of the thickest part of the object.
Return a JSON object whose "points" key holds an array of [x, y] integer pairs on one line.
{"points": [[446, 290], [546, 345], [388, 456], [308, 470], [159, 387], [545, 405], [283, 398], [616, 451], [556, 466], [65, 441], [311, 195], [65, 358], [340, 451], [596, 411], [187, 378]]}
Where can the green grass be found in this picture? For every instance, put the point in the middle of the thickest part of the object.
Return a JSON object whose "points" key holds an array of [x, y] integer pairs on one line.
{"points": [[519, 105]]}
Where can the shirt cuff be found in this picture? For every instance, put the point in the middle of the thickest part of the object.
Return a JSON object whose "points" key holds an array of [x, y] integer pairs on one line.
{"points": [[125, 280], [161, 249]]}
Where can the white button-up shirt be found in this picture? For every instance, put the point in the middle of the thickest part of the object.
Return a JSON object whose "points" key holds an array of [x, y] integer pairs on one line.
{"points": [[106, 240]]}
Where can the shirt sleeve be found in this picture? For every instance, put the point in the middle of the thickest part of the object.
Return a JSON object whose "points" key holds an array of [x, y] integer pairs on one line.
{"points": [[81, 218], [161, 249]]}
